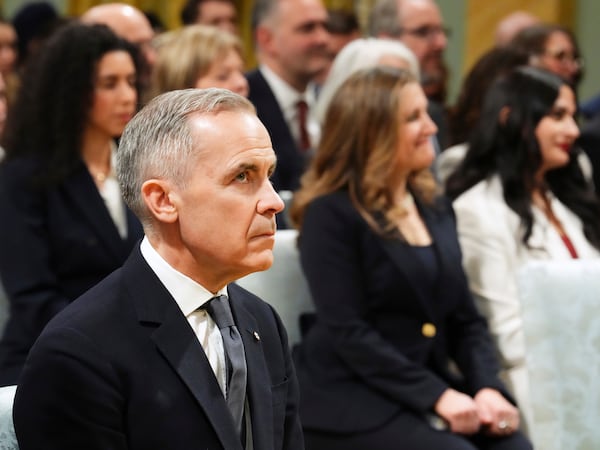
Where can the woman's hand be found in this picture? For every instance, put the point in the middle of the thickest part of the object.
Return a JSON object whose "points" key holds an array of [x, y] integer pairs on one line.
{"points": [[459, 410], [496, 413]]}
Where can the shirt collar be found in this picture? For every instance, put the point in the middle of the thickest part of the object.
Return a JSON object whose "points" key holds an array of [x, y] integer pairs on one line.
{"points": [[188, 294], [286, 95]]}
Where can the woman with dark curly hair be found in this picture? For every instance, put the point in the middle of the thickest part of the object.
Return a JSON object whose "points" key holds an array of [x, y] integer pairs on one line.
{"points": [[379, 249], [64, 225], [520, 196]]}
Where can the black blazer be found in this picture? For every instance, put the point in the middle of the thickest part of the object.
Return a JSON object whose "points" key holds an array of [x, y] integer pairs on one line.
{"points": [[55, 243], [291, 162], [121, 368], [379, 345]]}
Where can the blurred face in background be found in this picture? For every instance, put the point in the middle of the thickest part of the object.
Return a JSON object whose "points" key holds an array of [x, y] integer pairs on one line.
{"points": [[3, 104], [423, 31], [115, 95], [218, 13], [295, 41], [227, 71], [8, 48], [560, 57]]}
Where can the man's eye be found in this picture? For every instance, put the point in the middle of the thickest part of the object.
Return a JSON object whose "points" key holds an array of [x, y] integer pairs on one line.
{"points": [[242, 176]]}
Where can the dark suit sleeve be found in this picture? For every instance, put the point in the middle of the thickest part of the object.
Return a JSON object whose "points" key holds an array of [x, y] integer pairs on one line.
{"points": [[68, 397], [330, 248], [25, 263]]}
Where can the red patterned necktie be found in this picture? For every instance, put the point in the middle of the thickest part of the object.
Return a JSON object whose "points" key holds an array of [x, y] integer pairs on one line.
{"points": [[304, 142]]}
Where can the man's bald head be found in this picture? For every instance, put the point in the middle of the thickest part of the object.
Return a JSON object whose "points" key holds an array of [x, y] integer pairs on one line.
{"points": [[128, 22], [125, 20], [510, 26]]}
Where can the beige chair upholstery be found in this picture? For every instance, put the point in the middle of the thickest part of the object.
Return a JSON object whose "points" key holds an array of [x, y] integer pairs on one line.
{"points": [[283, 285], [560, 303], [8, 440]]}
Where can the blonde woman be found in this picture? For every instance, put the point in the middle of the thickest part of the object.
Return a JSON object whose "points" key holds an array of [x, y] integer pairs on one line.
{"points": [[380, 253], [199, 56]]}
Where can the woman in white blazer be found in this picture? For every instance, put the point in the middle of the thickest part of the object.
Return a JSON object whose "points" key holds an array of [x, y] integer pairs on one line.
{"points": [[520, 195]]}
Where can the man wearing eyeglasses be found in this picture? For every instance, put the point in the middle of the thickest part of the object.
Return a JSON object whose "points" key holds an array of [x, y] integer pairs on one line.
{"points": [[419, 25]]}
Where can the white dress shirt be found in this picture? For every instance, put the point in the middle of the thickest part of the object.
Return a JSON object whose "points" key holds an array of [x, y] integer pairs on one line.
{"points": [[111, 194], [190, 296], [287, 97]]}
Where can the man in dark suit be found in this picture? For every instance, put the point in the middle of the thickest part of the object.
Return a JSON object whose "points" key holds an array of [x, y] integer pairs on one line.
{"points": [[139, 361], [291, 42], [419, 25]]}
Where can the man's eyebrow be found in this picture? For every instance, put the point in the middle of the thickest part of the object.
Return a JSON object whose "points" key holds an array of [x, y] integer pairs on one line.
{"points": [[252, 166], [245, 166]]}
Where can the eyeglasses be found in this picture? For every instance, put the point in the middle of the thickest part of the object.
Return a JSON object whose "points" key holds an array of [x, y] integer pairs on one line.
{"points": [[427, 32], [564, 57]]}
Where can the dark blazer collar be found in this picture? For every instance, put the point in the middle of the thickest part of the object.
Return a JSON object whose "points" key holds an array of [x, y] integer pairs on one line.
{"points": [[81, 188], [176, 340]]}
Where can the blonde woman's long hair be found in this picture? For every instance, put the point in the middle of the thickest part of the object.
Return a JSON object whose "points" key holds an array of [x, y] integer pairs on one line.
{"points": [[357, 151]]}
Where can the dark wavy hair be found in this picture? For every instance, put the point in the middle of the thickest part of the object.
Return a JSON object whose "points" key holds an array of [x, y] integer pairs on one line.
{"points": [[56, 95], [508, 148], [467, 109]]}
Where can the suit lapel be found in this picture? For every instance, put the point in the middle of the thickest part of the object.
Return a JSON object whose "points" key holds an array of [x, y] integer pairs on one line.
{"points": [[176, 341], [258, 389], [80, 187]]}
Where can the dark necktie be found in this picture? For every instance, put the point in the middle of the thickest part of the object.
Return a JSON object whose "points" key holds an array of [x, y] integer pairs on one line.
{"points": [[219, 310], [304, 143]]}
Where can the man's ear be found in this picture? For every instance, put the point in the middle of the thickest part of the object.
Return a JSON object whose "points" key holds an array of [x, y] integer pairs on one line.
{"points": [[158, 197], [264, 37]]}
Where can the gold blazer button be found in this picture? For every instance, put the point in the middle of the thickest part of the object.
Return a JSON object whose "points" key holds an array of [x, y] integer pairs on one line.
{"points": [[428, 330]]}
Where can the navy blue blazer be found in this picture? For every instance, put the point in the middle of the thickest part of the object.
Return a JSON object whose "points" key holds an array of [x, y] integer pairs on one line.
{"points": [[121, 368], [291, 162], [55, 243], [381, 345]]}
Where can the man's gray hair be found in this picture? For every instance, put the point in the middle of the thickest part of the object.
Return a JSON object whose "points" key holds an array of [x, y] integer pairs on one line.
{"points": [[261, 11], [384, 19], [158, 141]]}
